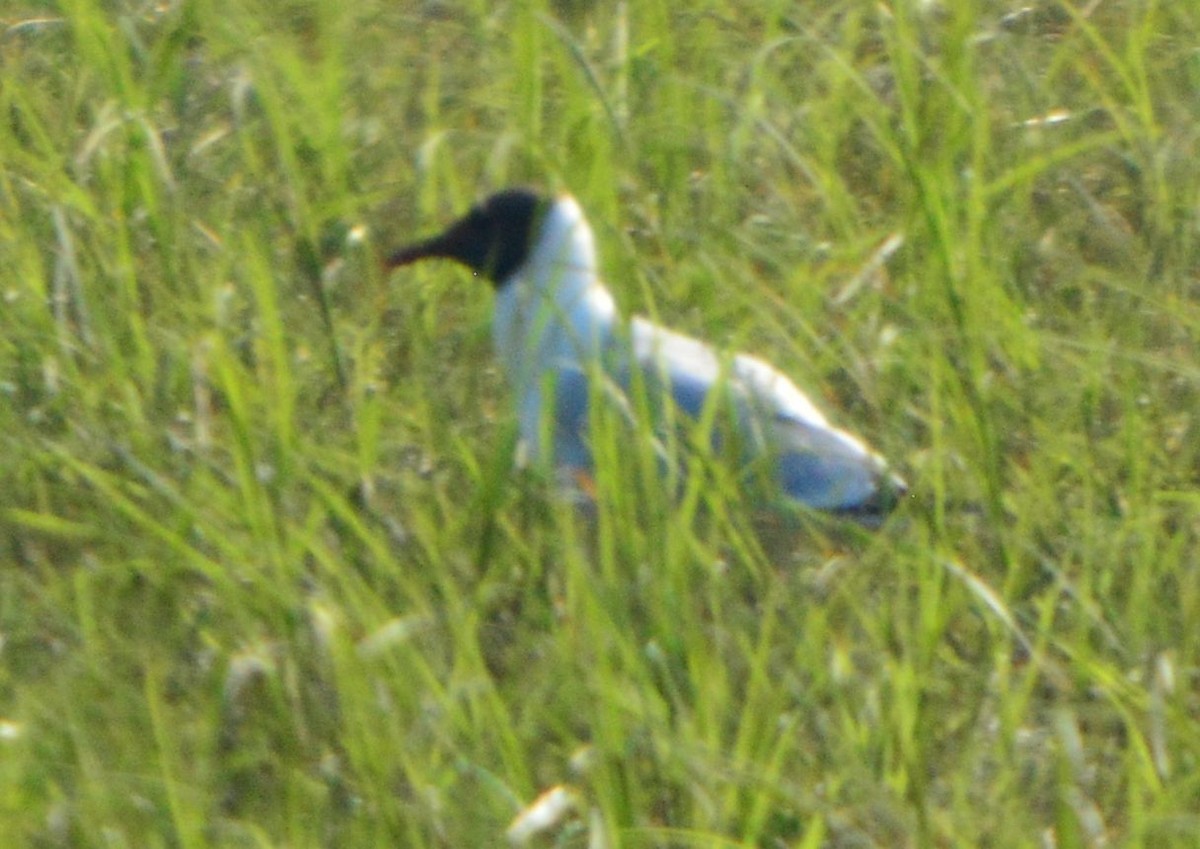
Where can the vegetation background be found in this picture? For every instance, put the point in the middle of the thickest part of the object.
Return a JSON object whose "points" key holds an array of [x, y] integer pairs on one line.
{"points": [[266, 578]]}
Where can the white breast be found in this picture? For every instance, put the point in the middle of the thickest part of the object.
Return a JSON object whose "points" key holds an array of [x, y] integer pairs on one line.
{"points": [[552, 313]]}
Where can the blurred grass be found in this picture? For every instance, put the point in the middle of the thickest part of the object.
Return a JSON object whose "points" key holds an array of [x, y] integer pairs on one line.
{"points": [[266, 578]]}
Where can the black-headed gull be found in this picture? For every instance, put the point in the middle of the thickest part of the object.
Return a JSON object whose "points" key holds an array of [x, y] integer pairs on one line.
{"points": [[556, 325]]}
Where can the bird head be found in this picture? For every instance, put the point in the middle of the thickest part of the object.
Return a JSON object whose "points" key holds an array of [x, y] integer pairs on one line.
{"points": [[493, 239]]}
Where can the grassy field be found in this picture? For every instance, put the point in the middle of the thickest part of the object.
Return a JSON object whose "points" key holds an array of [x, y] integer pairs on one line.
{"points": [[266, 575]]}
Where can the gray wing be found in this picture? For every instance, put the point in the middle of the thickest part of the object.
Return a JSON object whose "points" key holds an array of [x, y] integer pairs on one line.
{"points": [[777, 426]]}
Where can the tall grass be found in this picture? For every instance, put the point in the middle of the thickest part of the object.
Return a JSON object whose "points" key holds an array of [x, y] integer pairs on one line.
{"points": [[268, 576]]}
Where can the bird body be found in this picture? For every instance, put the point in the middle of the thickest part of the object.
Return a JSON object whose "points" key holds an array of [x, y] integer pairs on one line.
{"points": [[557, 331]]}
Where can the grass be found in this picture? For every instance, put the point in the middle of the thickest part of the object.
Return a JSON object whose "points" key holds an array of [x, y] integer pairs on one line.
{"points": [[266, 577]]}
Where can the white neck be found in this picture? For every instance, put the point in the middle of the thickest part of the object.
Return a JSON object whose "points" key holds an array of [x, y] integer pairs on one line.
{"points": [[553, 310]]}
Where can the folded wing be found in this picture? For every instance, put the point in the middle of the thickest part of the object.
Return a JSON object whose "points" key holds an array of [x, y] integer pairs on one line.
{"points": [[777, 427]]}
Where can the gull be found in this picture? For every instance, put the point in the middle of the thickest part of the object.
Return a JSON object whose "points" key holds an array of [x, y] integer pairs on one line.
{"points": [[563, 346]]}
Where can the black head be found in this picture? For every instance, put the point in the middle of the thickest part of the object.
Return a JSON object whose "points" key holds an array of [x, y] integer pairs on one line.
{"points": [[493, 239]]}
